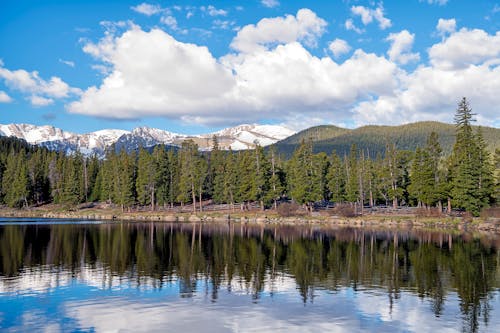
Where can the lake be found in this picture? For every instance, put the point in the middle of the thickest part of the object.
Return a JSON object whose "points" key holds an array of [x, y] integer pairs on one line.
{"points": [[98, 277]]}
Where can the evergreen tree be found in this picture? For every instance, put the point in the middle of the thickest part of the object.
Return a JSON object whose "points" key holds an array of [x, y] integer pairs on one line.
{"points": [[124, 177], [496, 162], [262, 174], [162, 175], [146, 178], [188, 172], [37, 170], [304, 176], [486, 187], [470, 170], [72, 180], [15, 182], [276, 180], [351, 172], [173, 177], [423, 185]]}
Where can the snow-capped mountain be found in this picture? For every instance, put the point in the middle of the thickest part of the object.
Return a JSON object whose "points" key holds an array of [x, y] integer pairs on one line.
{"points": [[236, 138]]}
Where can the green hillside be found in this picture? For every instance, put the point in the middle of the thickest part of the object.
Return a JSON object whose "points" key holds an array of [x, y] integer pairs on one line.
{"points": [[374, 138], [316, 133]]}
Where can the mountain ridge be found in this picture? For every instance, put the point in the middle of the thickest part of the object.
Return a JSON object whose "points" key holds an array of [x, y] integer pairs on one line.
{"points": [[374, 138], [239, 137]]}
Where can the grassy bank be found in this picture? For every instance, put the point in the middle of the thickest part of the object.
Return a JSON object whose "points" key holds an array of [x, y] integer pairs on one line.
{"points": [[268, 216]]}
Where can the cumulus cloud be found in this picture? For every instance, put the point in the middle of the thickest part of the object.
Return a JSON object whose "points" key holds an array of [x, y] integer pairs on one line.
{"points": [[147, 9], [369, 15], [436, 2], [401, 44], [212, 11], [272, 75], [445, 27], [464, 48], [349, 25], [169, 21], [339, 47], [32, 84], [306, 27], [4, 98], [40, 101], [270, 3], [153, 74], [464, 64]]}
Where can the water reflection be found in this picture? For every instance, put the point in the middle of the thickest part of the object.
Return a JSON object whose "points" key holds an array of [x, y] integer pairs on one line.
{"points": [[281, 276]]}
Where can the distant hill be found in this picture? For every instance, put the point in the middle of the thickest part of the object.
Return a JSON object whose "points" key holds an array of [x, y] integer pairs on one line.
{"points": [[374, 138]]}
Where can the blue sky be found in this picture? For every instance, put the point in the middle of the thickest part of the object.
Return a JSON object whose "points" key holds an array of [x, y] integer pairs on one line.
{"points": [[198, 66]]}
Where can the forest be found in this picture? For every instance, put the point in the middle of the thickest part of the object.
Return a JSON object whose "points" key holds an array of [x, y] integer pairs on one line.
{"points": [[467, 179]]}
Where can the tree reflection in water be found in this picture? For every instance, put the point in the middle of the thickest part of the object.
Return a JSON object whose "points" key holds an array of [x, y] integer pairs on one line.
{"points": [[428, 263]]}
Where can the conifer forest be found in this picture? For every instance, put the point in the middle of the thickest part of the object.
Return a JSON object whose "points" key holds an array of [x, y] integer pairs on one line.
{"points": [[465, 179]]}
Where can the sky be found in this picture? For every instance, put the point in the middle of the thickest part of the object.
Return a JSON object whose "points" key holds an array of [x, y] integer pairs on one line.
{"points": [[199, 66]]}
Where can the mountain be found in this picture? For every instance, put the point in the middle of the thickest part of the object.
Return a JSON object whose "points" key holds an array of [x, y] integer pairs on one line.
{"points": [[236, 138], [375, 138]]}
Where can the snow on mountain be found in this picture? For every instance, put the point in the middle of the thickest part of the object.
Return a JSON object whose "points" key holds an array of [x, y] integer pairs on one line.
{"points": [[237, 138]]}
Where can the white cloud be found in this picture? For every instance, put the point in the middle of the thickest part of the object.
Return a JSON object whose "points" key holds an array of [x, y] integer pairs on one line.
{"points": [[169, 21], [40, 101], [153, 74], [147, 9], [465, 64], [339, 47], [306, 26], [67, 62], [223, 24], [349, 25], [465, 48], [401, 44], [436, 2], [270, 3], [368, 15], [4, 98], [31, 83], [271, 75], [212, 11], [445, 26]]}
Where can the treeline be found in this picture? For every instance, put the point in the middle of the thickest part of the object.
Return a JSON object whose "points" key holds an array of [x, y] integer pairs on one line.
{"points": [[465, 180]]}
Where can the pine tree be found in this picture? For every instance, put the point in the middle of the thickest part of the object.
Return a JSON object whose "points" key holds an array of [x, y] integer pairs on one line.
{"points": [[351, 171], [125, 176], [37, 170], [72, 181], [486, 182], [15, 182], [262, 175], [423, 184], [146, 179], [162, 175], [469, 164], [188, 172], [496, 162], [246, 183], [305, 176], [173, 177], [276, 186]]}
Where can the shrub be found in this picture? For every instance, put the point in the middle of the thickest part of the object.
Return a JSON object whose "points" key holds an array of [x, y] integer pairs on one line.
{"points": [[492, 212], [288, 209], [344, 210], [429, 212]]}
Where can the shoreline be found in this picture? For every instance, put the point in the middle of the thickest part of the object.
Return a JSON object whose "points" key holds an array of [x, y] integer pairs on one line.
{"points": [[491, 225]]}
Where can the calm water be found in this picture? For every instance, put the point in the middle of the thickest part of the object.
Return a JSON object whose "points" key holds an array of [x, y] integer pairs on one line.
{"points": [[236, 278]]}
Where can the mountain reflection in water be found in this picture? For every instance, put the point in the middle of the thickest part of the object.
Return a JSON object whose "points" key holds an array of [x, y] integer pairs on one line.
{"points": [[237, 277]]}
